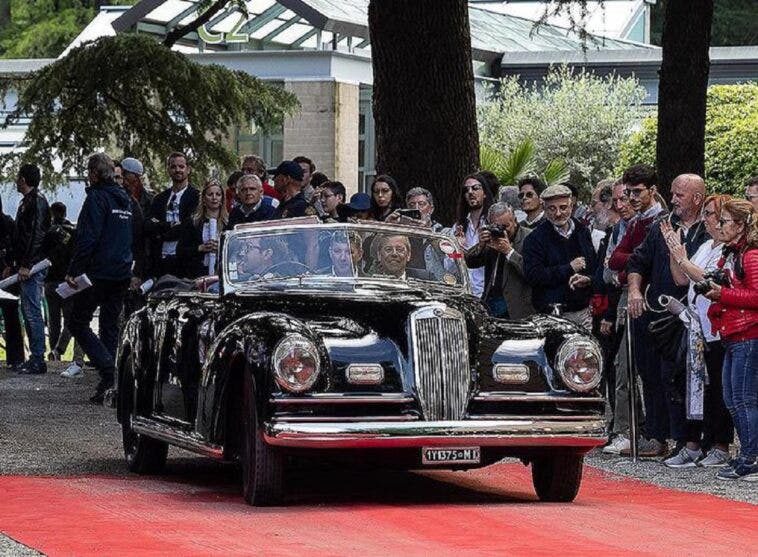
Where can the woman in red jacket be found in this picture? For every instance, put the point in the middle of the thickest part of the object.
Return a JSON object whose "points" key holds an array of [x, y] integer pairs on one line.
{"points": [[734, 316]]}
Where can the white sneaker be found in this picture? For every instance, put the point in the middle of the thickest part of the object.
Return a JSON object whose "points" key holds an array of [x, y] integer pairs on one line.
{"points": [[619, 443], [715, 457], [74, 370]]}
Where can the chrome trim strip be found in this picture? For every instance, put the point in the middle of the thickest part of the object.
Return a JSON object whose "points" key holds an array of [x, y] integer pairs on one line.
{"points": [[380, 398], [495, 417], [333, 419], [537, 397], [161, 432], [579, 433]]}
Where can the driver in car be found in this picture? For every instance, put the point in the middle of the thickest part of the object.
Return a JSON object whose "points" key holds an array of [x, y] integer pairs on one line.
{"points": [[256, 256], [393, 254]]}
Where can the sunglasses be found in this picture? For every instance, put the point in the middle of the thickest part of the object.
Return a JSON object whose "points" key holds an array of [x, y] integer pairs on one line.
{"points": [[473, 187], [526, 194], [635, 192]]}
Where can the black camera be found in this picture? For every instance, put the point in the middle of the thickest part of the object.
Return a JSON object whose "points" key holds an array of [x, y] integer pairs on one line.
{"points": [[410, 213], [495, 230], [719, 276]]}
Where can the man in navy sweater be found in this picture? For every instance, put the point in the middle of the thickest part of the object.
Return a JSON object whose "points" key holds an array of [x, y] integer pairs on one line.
{"points": [[559, 260], [103, 250]]}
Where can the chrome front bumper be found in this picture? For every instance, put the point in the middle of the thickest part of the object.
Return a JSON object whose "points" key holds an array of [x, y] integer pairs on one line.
{"points": [[577, 433]]}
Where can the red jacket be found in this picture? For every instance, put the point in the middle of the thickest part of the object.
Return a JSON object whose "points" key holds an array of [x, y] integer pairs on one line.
{"points": [[633, 237], [735, 315]]}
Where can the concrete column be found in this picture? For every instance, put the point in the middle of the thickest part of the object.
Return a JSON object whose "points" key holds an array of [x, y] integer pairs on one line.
{"points": [[326, 128]]}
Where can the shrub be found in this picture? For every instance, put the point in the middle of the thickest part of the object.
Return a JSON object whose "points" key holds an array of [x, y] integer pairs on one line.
{"points": [[731, 141], [574, 116]]}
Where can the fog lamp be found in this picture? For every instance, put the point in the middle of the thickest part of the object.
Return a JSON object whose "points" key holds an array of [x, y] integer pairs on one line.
{"points": [[511, 373], [580, 363], [296, 363], [364, 374]]}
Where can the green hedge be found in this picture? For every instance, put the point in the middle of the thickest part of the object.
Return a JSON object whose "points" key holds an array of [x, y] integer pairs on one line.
{"points": [[731, 139]]}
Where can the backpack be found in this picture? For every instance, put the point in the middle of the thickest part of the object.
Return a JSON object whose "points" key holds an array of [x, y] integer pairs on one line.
{"points": [[58, 247]]}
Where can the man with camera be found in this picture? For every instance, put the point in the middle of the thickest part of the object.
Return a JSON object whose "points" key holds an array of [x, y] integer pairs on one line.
{"points": [[559, 260], [506, 291]]}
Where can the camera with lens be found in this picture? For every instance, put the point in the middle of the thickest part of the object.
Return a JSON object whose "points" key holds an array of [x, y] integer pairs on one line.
{"points": [[495, 230], [719, 276]]}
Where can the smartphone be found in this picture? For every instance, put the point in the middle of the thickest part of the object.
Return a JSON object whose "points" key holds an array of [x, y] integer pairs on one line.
{"points": [[410, 213]]}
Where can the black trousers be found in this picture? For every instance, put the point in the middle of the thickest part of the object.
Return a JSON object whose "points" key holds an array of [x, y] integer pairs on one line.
{"points": [[109, 297], [14, 340], [717, 427]]}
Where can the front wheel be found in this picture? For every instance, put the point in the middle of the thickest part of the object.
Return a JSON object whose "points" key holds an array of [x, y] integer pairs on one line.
{"points": [[557, 478], [262, 465], [144, 455]]}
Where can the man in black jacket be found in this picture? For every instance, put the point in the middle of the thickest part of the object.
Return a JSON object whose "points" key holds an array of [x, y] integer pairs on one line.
{"points": [[103, 251], [14, 341], [59, 247], [30, 228], [559, 260], [171, 209]]}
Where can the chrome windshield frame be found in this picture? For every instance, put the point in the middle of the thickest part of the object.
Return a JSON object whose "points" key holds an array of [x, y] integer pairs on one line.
{"points": [[228, 286]]}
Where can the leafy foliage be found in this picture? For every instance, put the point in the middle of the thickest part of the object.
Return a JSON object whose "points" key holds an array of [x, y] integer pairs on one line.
{"points": [[522, 161], [573, 116], [731, 143], [44, 28], [733, 23], [152, 102]]}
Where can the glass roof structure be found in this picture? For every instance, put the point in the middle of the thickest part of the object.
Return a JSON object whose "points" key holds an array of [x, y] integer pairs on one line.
{"points": [[341, 25]]}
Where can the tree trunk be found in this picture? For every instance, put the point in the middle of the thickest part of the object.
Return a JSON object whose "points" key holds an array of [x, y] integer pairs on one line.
{"points": [[682, 90], [424, 103], [5, 13]]}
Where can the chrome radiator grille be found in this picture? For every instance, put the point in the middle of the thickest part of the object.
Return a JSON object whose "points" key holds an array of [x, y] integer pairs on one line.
{"points": [[441, 361]]}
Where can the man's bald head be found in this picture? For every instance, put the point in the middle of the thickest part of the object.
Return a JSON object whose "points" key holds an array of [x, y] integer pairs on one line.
{"points": [[687, 196]]}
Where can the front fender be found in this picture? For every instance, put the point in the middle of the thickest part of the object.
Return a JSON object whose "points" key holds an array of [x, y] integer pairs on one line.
{"points": [[245, 344]]}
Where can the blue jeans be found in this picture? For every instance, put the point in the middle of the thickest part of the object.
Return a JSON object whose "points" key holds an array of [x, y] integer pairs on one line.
{"points": [[741, 392], [32, 291]]}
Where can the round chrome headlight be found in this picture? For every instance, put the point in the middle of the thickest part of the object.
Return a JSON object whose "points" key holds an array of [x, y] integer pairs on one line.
{"points": [[296, 363], [580, 364]]}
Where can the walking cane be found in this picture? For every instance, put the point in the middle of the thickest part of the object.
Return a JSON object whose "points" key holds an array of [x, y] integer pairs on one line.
{"points": [[631, 378]]}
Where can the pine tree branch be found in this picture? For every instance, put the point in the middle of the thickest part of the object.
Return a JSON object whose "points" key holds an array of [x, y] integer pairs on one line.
{"points": [[178, 32]]}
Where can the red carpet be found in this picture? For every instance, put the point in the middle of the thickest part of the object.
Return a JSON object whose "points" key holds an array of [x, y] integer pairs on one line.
{"points": [[488, 511]]}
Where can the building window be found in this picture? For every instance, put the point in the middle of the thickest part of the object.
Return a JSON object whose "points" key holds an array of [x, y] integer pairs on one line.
{"points": [[366, 141]]}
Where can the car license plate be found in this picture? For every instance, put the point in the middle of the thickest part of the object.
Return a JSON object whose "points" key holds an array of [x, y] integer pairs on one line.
{"points": [[450, 455]]}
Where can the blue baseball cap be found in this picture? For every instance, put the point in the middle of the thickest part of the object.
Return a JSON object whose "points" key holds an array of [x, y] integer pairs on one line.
{"points": [[360, 202]]}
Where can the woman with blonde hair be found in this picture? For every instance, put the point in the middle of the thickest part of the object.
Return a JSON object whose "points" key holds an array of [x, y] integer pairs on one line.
{"points": [[734, 315], [198, 243]]}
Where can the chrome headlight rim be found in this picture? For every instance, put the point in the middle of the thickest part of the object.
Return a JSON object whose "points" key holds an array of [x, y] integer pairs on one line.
{"points": [[567, 348], [282, 348]]}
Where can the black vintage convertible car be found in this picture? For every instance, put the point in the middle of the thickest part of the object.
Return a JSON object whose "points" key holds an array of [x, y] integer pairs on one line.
{"points": [[353, 339]]}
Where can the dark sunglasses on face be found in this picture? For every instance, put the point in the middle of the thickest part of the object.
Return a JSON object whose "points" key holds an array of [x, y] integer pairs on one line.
{"points": [[526, 194], [473, 187], [636, 192]]}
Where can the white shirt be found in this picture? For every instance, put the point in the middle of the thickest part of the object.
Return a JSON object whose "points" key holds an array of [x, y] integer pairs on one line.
{"points": [[172, 217], [476, 275], [706, 257]]}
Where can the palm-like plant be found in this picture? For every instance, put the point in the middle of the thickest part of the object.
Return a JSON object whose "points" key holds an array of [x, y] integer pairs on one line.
{"points": [[520, 162]]}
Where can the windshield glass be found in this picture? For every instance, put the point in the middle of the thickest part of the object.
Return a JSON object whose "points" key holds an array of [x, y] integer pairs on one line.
{"points": [[343, 252]]}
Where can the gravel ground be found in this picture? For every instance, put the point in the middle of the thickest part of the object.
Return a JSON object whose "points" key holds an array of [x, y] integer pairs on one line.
{"points": [[48, 427]]}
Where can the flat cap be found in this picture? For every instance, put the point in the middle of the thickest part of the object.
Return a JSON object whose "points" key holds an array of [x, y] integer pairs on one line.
{"points": [[133, 165], [555, 191]]}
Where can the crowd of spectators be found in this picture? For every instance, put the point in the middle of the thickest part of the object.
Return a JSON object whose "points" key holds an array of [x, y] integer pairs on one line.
{"points": [[678, 284]]}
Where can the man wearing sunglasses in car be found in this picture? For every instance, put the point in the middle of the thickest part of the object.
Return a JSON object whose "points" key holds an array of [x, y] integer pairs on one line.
{"points": [[529, 190]]}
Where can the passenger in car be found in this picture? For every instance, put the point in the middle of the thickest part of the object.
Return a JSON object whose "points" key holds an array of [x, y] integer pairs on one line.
{"points": [[392, 256]]}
